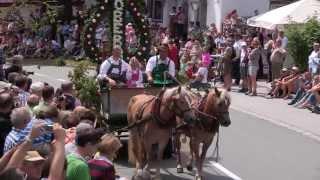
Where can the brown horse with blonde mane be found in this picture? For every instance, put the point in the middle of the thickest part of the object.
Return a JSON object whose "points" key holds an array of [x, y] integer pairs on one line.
{"points": [[212, 111], [152, 118]]}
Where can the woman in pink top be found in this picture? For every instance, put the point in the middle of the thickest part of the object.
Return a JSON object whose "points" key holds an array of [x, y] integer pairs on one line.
{"points": [[134, 74], [206, 57]]}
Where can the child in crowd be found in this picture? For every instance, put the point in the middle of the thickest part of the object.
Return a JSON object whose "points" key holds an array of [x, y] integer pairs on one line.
{"points": [[101, 167], [134, 74]]}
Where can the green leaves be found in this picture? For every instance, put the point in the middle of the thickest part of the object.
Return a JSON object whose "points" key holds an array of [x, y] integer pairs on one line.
{"points": [[301, 38], [86, 86]]}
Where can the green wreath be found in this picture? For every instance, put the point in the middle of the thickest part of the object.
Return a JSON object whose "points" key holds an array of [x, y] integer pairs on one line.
{"points": [[104, 8]]}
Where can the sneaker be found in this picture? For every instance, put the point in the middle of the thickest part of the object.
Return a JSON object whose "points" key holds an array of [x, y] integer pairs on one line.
{"points": [[316, 110], [248, 92], [292, 102]]}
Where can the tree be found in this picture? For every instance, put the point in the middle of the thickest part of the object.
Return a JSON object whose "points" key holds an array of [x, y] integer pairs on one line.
{"points": [[301, 38]]}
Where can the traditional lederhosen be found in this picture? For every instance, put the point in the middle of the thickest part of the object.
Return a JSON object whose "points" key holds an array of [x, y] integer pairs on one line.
{"points": [[158, 73], [118, 77]]}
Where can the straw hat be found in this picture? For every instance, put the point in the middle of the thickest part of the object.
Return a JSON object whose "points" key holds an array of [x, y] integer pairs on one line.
{"points": [[33, 156]]}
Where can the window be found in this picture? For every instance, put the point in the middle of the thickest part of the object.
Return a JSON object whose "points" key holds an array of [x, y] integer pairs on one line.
{"points": [[155, 10]]}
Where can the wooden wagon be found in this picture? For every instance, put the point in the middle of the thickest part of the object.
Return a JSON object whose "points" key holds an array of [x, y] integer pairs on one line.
{"points": [[115, 104]]}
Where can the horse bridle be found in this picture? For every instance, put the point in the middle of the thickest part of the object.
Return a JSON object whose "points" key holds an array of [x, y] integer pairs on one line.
{"points": [[180, 112]]}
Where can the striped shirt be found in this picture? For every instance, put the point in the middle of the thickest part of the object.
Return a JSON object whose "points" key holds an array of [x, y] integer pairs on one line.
{"points": [[17, 136], [101, 168], [23, 98]]}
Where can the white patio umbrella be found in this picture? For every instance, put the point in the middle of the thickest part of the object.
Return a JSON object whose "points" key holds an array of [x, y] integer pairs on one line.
{"points": [[297, 12]]}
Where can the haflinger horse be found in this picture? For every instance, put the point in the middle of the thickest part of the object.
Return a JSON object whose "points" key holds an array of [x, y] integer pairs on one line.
{"points": [[212, 111], [152, 119]]}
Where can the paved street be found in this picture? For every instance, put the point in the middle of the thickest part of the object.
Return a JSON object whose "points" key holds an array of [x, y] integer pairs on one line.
{"points": [[267, 140]]}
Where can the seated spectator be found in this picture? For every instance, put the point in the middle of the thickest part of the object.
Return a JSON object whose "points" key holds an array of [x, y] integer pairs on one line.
{"points": [[310, 99], [290, 84], [281, 87], [305, 83], [21, 82], [101, 167], [86, 146], [47, 99], [134, 73]]}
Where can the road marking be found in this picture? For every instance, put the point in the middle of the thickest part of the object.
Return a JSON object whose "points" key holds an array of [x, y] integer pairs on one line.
{"points": [[225, 170], [280, 123]]}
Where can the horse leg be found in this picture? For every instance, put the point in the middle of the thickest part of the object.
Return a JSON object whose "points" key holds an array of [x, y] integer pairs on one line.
{"points": [[196, 146], [190, 163], [202, 159], [161, 148], [178, 147]]}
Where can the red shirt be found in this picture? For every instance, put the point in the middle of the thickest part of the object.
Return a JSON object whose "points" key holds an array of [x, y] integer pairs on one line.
{"points": [[174, 56]]}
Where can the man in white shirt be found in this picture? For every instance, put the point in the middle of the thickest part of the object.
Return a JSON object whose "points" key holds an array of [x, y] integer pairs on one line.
{"points": [[113, 70], [284, 40], [314, 59], [158, 66]]}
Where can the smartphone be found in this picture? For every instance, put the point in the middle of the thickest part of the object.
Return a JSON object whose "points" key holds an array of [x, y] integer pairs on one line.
{"points": [[48, 127]]}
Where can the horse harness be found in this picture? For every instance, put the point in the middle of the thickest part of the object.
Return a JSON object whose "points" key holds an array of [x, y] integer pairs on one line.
{"points": [[199, 110], [155, 113]]}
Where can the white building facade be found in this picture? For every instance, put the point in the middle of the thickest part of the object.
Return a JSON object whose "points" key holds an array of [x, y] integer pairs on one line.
{"points": [[205, 12]]}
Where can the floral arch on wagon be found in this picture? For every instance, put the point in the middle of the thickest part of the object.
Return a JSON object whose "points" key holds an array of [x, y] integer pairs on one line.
{"points": [[118, 16]]}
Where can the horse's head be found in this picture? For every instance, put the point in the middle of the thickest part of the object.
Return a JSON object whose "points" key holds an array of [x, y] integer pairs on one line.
{"points": [[221, 102], [181, 104]]}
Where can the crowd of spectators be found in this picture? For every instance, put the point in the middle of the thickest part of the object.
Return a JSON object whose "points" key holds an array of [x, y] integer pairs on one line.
{"points": [[45, 133]]}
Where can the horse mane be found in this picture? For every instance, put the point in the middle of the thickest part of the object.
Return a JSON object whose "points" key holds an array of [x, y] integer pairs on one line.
{"points": [[224, 96], [213, 100]]}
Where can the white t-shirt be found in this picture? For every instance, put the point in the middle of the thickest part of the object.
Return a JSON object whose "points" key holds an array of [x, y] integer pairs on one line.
{"points": [[203, 71], [106, 65], [313, 61], [152, 64], [284, 42]]}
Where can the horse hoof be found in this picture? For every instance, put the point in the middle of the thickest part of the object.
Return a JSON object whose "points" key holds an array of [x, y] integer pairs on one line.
{"points": [[179, 169], [189, 168]]}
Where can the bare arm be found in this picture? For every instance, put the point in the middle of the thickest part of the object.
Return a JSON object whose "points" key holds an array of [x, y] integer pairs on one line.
{"points": [[18, 156], [57, 165]]}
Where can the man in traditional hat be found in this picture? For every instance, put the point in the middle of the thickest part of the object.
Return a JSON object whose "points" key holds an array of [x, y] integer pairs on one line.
{"points": [[159, 66]]}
